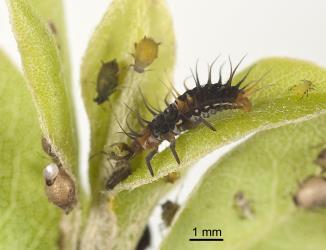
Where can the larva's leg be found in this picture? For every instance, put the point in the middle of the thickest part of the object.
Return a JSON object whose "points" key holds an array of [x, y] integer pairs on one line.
{"points": [[207, 124], [171, 138], [149, 157], [174, 152]]}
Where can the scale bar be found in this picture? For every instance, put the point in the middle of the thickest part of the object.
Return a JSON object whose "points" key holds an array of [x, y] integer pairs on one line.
{"points": [[206, 239]]}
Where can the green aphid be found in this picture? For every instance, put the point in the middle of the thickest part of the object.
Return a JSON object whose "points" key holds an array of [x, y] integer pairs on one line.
{"points": [[146, 51], [107, 81]]}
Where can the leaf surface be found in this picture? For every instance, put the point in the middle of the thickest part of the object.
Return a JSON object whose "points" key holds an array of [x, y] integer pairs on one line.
{"points": [[47, 83], [266, 168], [27, 219]]}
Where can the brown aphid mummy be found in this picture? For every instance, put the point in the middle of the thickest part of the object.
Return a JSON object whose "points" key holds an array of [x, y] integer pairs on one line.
{"points": [[107, 81], [302, 89], [242, 204], [169, 210], [59, 187], [172, 177], [146, 51], [121, 171], [311, 193], [321, 160]]}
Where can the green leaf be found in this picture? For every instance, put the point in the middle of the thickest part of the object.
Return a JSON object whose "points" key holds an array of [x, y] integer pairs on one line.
{"points": [[273, 105], [133, 210], [266, 168], [126, 22], [46, 80], [52, 13], [27, 220]]}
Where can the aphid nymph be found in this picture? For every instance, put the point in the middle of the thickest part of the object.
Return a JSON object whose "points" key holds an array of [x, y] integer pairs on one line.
{"points": [[146, 51], [48, 149], [321, 160], [311, 193], [242, 204], [107, 81], [121, 171], [119, 151], [169, 210], [52, 28], [303, 88], [172, 177]]}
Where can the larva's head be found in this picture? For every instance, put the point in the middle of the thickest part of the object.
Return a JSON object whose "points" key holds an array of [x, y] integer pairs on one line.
{"points": [[164, 122]]}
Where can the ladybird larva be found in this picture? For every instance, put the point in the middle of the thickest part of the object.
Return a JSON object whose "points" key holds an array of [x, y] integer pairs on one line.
{"points": [[187, 111]]}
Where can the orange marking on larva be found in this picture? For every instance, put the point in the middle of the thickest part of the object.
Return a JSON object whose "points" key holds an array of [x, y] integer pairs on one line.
{"points": [[147, 141], [243, 101], [182, 106]]}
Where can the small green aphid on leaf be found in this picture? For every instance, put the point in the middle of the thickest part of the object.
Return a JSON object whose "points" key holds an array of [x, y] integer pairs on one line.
{"points": [[303, 88], [107, 81], [172, 177], [146, 51], [119, 151]]}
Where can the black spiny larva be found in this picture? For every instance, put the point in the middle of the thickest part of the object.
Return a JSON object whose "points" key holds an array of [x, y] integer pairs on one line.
{"points": [[187, 111]]}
